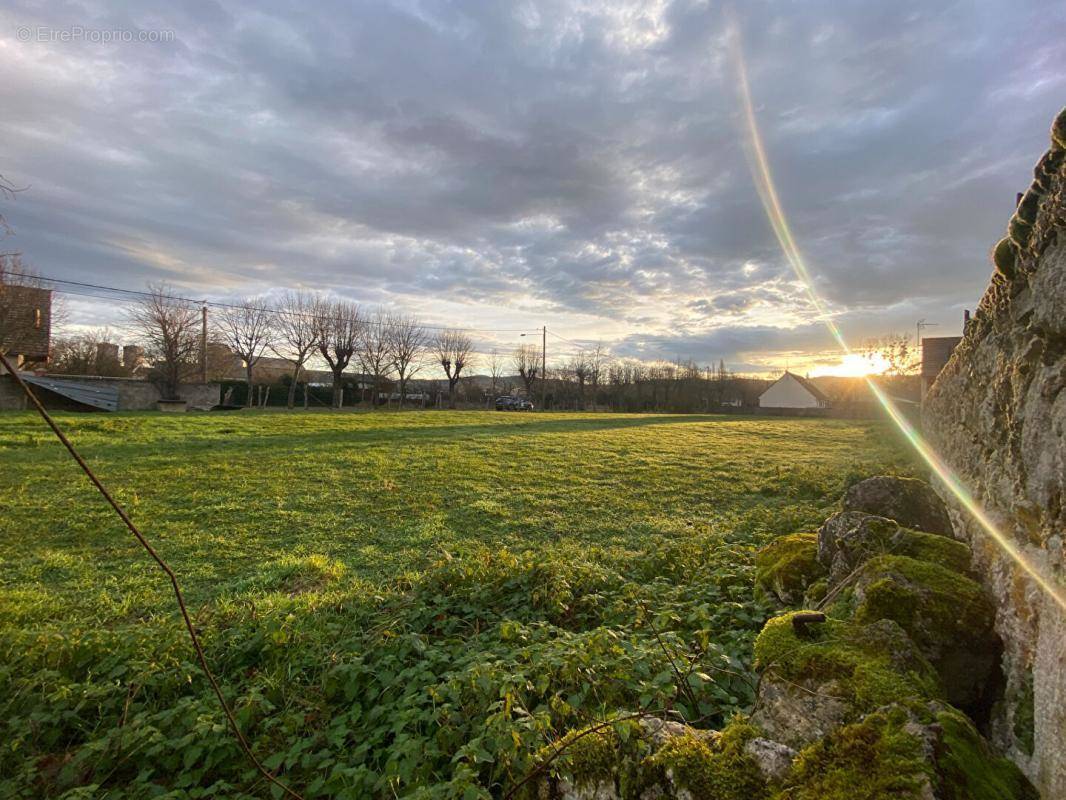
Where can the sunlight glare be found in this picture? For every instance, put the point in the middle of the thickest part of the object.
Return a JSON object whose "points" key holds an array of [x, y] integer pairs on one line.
{"points": [[760, 168], [853, 365]]}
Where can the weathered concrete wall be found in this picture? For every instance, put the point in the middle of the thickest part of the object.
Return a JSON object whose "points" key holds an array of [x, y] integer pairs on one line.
{"points": [[133, 395], [11, 397], [997, 415]]}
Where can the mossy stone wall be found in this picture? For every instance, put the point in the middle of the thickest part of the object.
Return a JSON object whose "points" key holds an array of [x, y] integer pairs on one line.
{"points": [[997, 416]]}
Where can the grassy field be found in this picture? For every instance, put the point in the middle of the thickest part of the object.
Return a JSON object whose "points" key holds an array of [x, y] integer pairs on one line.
{"points": [[398, 604]]}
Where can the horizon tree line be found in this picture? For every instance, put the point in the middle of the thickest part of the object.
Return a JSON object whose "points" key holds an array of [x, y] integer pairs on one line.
{"points": [[391, 346]]}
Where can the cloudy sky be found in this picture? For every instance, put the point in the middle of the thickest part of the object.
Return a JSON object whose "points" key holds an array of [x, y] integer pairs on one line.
{"points": [[506, 165]]}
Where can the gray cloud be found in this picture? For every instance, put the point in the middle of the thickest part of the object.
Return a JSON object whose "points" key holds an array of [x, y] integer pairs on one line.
{"points": [[580, 165]]}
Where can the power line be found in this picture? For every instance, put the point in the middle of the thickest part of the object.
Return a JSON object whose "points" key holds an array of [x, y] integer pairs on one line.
{"points": [[92, 290], [568, 341], [136, 294]]}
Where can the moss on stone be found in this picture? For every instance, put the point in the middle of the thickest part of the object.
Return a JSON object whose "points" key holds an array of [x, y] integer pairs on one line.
{"points": [[816, 592], [873, 759], [869, 666], [938, 549], [1058, 131], [969, 770], [714, 768], [1004, 256], [890, 539], [1023, 715], [934, 604], [1019, 231], [896, 752], [1029, 205], [787, 566]]}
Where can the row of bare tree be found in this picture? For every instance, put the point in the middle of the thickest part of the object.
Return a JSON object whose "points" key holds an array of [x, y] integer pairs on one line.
{"points": [[390, 347], [298, 326]]}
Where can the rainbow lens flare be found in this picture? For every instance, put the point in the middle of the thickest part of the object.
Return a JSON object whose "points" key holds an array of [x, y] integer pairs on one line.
{"points": [[764, 184]]}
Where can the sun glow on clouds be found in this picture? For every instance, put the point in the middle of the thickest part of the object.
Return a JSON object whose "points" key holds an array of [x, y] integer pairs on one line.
{"points": [[854, 365]]}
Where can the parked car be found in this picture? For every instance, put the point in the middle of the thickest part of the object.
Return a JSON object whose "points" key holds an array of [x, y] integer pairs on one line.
{"points": [[509, 403]]}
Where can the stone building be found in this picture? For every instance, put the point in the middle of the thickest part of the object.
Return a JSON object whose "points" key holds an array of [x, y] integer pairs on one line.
{"points": [[26, 329]]}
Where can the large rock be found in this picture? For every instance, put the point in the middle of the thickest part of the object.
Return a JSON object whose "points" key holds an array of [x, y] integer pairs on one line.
{"points": [[812, 682], [996, 416], [773, 759], [911, 503], [946, 614], [797, 713], [849, 538], [905, 752]]}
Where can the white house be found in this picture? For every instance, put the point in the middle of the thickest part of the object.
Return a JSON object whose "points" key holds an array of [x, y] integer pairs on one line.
{"points": [[792, 391]]}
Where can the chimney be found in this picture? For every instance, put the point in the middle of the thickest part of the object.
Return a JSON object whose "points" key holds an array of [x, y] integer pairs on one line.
{"points": [[107, 352], [132, 356]]}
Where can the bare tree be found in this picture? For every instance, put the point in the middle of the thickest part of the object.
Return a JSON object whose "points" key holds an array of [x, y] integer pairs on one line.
{"points": [[8, 190], [454, 351], [579, 369], [407, 342], [246, 328], [337, 328], [526, 361], [74, 355], [895, 352], [297, 334], [91, 352], [495, 369], [598, 360], [169, 329], [372, 350]]}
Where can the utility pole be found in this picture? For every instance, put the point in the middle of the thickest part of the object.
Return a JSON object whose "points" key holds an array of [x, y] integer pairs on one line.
{"points": [[203, 343], [543, 366]]}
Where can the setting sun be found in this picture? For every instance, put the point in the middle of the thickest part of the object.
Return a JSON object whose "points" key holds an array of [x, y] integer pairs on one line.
{"points": [[854, 365]]}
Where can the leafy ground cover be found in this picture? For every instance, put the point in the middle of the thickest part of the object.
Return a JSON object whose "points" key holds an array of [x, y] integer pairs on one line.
{"points": [[398, 604]]}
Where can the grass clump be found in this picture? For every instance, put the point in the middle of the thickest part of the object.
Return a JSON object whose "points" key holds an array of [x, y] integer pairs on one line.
{"points": [[1005, 256], [787, 566]]}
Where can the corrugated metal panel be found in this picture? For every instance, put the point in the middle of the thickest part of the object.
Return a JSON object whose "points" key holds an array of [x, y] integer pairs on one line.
{"points": [[103, 397]]}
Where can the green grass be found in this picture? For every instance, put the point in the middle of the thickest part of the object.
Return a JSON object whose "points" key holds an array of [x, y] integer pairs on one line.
{"points": [[399, 604]]}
